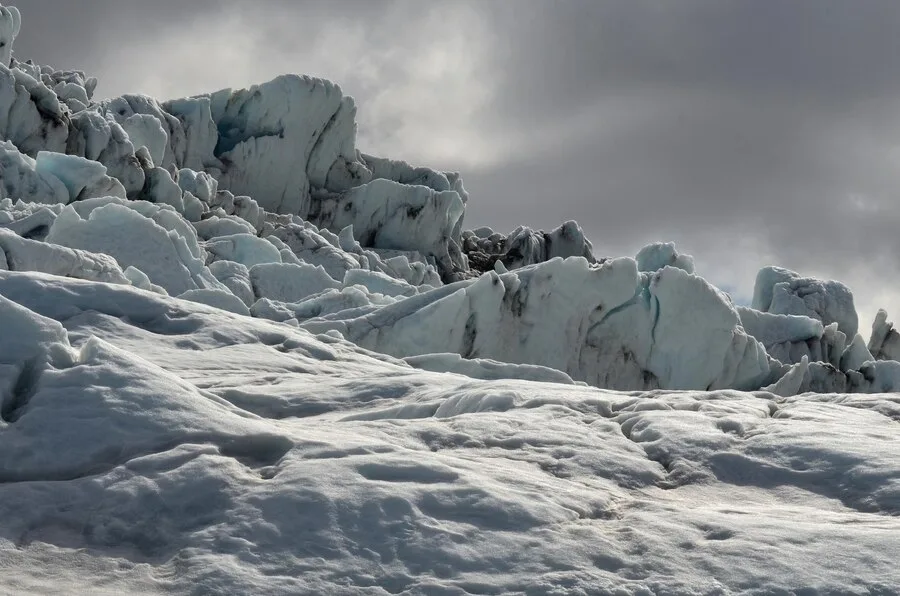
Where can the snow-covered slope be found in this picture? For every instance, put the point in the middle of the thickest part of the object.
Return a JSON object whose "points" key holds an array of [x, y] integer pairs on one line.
{"points": [[238, 355], [153, 445]]}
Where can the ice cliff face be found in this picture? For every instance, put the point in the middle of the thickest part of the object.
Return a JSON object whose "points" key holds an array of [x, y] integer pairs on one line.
{"points": [[258, 201]]}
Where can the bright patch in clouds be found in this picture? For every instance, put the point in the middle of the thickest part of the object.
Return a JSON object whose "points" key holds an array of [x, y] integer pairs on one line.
{"points": [[420, 89]]}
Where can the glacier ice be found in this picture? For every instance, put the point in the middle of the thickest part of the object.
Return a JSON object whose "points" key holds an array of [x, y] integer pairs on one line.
{"points": [[83, 178], [481, 368], [387, 214], [654, 257], [286, 282], [10, 22], [31, 116], [225, 164], [246, 249], [781, 291], [25, 334], [523, 246], [147, 241], [221, 299], [378, 283], [135, 112], [611, 326], [22, 181], [21, 254], [235, 277], [274, 138], [185, 437], [884, 343], [94, 137], [240, 355], [393, 231], [28, 219]]}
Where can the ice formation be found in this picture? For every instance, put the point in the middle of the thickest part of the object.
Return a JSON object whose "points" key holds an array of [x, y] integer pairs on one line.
{"points": [[226, 334]]}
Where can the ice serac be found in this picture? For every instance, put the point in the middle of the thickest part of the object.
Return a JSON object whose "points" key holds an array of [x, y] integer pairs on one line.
{"points": [[856, 354], [607, 325], [20, 254], [405, 173], [790, 338], [31, 116], [792, 382], [277, 139], [691, 312], [387, 214], [150, 237], [134, 113], [647, 338], [103, 140], [28, 219], [772, 329], [21, 179], [654, 257], [53, 177], [524, 246], [286, 282], [291, 144], [72, 87], [884, 343], [785, 292], [200, 133], [83, 178], [501, 317], [10, 22]]}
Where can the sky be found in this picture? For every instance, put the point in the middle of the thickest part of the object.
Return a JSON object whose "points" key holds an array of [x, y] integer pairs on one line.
{"points": [[749, 132]]}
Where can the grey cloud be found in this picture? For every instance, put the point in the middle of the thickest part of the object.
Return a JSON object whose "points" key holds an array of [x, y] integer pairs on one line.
{"points": [[820, 52], [86, 34], [77, 34], [752, 120]]}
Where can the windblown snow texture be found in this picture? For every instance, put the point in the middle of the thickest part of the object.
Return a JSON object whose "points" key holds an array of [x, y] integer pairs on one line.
{"points": [[238, 355]]}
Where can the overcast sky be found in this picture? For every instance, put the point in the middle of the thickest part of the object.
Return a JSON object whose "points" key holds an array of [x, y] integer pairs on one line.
{"points": [[749, 132]]}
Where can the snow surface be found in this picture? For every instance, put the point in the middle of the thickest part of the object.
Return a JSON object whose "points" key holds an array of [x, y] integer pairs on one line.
{"points": [[239, 356], [172, 447]]}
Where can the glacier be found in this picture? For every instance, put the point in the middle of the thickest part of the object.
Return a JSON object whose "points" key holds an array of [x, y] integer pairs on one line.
{"points": [[240, 355]]}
